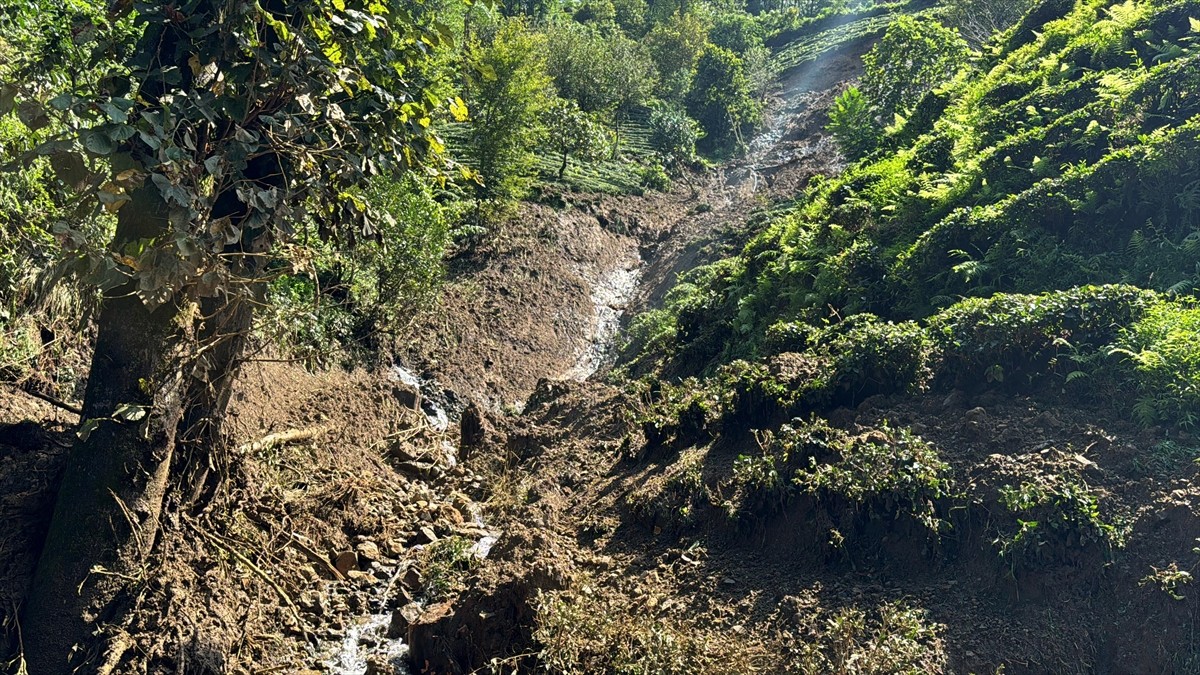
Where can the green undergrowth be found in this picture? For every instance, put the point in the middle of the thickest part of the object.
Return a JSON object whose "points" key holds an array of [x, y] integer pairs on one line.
{"points": [[1033, 221], [846, 490], [882, 474], [1053, 521], [1065, 156], [1089, 342]]}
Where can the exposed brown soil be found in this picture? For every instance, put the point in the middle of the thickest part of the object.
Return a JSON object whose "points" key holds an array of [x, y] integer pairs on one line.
{"points": [[616, 523], [519, 308], [305, 540]]}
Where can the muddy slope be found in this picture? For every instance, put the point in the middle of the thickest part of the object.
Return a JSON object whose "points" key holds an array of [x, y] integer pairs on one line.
{"points": [[664, 543]]}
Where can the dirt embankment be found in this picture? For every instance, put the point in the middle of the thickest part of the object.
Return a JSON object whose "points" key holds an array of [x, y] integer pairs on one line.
{"points": [[660, 545]]}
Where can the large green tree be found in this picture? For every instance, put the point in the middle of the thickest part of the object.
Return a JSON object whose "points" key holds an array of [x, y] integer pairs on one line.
{"points": [[571, 131], [721, 99], [216, 128], [913, 57], [675, 46], [507, 101]]}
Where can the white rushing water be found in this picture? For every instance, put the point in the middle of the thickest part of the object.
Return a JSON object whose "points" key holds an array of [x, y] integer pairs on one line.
{"points": [[610, 296], [365, 639], [438, 418]]}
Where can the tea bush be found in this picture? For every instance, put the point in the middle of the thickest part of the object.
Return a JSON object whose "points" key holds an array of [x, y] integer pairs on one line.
{"points": [[889, 471], [1016, 338], [1053, 521]]}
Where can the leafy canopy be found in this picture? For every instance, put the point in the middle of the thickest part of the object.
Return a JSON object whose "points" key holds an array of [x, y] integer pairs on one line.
{"points": [[913, 57], [241, 117]]}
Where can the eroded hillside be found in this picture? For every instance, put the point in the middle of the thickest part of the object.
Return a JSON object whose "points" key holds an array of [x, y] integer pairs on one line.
{"points": [[921, 400]]}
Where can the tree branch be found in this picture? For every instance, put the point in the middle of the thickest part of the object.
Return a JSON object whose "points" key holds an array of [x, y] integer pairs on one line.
{"points": [[58, 403]]}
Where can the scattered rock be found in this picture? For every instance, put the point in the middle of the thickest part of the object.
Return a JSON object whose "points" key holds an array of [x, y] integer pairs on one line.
{"points": [[411, 579], [424, 632], [394, 547], [419, 469], [359, 577], [368, 552], [451, 514], [424, 536], [474, 429], [956, 399], [379, 665], [407, 395], [346, 561], [402, 619]]}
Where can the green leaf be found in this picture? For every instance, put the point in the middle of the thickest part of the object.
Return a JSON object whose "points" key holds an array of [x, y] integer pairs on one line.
{"points": [[8, 97], [130, 412], [114, 113], [32, 115], [213, 165], [458, 109], [1195, 24], [69, 168], [62, 101], [98, 143], [85, 430]]}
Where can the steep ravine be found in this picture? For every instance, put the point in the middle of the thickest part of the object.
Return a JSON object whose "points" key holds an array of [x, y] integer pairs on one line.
{"points": [[546, 299], [565, 283]]}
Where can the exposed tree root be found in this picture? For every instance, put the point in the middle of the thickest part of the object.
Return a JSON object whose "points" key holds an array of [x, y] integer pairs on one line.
{"points": [[283, 438]]}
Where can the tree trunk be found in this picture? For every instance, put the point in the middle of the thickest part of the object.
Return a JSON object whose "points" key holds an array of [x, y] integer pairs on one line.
{"points": [[562, 168], [107, 513], [225, 330]]}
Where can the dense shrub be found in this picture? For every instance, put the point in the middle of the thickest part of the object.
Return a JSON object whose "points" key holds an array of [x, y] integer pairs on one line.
{"points": [[349, 299], [869, 356], [673, 134], [852, 124], [887, 472], [506, 107], [675, 46], [914, 56], [721, 98], [846, 363], [601, 71], [1056, 520], [1164, 350], [1009, 337]]}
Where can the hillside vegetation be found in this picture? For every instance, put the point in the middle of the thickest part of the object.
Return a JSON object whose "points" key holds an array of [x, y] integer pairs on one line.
{"points": [[1033, 217], [599, 336]]}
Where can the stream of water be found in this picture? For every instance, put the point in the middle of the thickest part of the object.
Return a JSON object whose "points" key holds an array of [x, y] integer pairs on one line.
{"points": [[610, 296]]}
